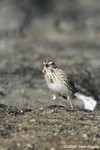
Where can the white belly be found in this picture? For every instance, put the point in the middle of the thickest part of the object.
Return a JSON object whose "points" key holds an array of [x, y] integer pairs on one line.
{"points": [[58, 87]]}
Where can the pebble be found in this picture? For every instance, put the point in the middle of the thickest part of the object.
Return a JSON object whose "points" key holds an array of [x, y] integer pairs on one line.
{"points": [[32, 120]]}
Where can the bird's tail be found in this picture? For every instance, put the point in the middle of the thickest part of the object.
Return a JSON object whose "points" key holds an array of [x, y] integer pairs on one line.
{"points": [[88, 102]]}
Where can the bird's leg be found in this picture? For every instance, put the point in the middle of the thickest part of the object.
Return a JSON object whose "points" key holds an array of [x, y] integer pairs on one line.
{"points": [[47, 101], [71, 105], [68, 99]]}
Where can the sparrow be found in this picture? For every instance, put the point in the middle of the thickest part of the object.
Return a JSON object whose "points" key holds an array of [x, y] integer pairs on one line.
{"points": [[58, 82]]}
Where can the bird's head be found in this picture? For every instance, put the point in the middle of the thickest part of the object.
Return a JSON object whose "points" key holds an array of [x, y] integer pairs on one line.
{"points": [[49, 65]]}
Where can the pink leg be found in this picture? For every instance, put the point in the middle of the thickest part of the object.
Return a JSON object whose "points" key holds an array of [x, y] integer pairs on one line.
{"points": [[71, 105], [47, 101]]}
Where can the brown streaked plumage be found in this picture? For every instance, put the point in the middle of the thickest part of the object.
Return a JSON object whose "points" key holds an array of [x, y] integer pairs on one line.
{"points": [[58, 81]]}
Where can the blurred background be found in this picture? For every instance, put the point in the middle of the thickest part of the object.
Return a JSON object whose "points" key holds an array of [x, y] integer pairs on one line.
{"points": [[67, 31]]}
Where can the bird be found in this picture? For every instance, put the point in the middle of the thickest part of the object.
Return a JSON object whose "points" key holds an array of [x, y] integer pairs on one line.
{"points": [[58, 82], [61, 84]]}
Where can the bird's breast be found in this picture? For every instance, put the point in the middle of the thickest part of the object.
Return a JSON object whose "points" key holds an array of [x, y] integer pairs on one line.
{"points": [[58, 86]]}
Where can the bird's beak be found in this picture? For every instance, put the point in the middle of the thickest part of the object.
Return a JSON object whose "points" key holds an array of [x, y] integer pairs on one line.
{"points": [[46, 65]]}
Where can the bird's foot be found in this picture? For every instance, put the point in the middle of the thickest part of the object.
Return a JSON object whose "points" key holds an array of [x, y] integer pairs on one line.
{"points": [[45, 102], [74, 109]]}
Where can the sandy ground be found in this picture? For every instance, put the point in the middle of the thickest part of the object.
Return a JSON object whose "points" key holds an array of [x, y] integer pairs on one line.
{"points": [[48, 129]]}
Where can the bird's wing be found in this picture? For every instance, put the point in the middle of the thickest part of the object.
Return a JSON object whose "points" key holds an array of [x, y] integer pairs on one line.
{"points": [[71, 84], [67, 80]]}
